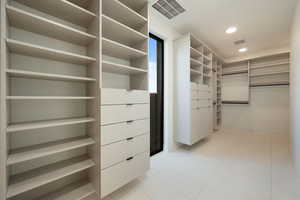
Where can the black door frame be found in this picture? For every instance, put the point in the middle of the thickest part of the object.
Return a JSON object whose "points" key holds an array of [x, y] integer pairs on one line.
{"points": [[160, 90]]}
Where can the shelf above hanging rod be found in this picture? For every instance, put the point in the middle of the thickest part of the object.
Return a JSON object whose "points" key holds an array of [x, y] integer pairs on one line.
{"points": [[235, 102], [270, 84]]}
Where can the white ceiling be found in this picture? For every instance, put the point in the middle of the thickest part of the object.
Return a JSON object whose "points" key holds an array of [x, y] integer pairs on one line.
{"points": [[264, 24]]}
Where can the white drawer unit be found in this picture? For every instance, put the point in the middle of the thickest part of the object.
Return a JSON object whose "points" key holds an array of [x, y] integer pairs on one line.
{"points": [[124, 113], [122, 96], [118, 175], [120, 151], [121, 131]]}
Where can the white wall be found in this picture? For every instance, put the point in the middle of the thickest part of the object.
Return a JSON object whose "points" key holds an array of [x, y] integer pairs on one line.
{"points": [[268, 112], [295, 88], [160, 28]]}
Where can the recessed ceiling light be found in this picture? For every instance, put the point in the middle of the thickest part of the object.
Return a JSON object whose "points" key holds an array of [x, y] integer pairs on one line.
{"points": [[243, 50], [231, 30]]}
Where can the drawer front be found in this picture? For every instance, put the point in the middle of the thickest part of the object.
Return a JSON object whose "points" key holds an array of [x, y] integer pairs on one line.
{"points": [[194, 94], [117, 152], [122, 96], [121, 131], [138, 96], [122, 113], [195, 104], [204, 103], [204, 95], [117, 176]]}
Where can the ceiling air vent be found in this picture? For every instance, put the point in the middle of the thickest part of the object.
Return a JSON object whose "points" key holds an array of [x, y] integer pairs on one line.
{"points": [[168, 8], [238, 42]]}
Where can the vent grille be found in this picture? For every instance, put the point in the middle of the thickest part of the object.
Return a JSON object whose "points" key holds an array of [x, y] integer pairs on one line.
{"points": [[168, 8], [238, 42]]}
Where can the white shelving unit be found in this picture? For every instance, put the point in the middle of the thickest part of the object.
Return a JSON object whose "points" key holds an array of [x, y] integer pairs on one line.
{"points": [[50, 89], [194, 78], [217, 69], [125, 109]]}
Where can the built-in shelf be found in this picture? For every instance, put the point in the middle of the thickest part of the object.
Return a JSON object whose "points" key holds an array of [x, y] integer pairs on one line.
{"points": [[120, 32], [269, 74], [44, 52], [135, 5], [115, 49], [195, 62], [59, 8], [38, 177], [267, 65], [266, 84], [76, 191], [195, 53], [47, 76], [196, 72], [34, 23], [235, 102], [42, 150], [121, 69], [122, 13], [235, 72], [48, 98], [47, 124]]}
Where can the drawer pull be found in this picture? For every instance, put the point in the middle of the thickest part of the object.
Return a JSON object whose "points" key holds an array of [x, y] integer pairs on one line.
{"points": [[128, 139], [130, 158], [129, 121]]}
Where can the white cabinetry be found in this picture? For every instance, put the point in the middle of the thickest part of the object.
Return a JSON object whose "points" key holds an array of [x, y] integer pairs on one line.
{"points": [[193, 100]]}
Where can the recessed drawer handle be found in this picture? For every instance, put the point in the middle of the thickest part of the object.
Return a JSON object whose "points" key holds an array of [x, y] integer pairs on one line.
{"points": [[129, 121], [130, 158], [128, 139]]}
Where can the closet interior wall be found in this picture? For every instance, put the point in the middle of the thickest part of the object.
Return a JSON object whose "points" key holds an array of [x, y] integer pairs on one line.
{"points": [[259, 95], [49, 98]]}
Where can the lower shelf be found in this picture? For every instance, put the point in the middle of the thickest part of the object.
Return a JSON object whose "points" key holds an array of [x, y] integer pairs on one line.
{"points": [[42, 176], [77, 191], [47, 124]]}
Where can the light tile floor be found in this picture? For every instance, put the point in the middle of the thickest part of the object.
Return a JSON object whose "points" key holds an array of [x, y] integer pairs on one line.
{"points": [[227, 166]]}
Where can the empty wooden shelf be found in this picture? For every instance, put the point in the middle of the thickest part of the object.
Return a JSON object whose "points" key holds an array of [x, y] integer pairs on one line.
{"points": [[36, 178], [34, 23], [195, 53], [122, 13], [120, 32], [47, 124], [195, 62], [48, 98], [76, 191], [48, 53], [196, 72], [121, 69], [59, 8], [38, 151], [115, 49], [270, 74], [47, 76]]}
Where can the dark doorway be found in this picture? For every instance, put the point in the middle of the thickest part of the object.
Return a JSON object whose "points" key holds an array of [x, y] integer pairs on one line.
{"points": [[156, 88]]}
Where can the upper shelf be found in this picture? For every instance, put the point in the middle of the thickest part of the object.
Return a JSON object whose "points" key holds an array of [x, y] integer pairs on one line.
{"points": [[44, 52], [38, 177], [47, 124], [269, 74], [47, 76], [121, 69], [34, 23], [195, 62], [62, 9], [136, 5], [267, 65], [122, 13], [115, 49], [195, 53], [112, 29], [42, 150]]}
